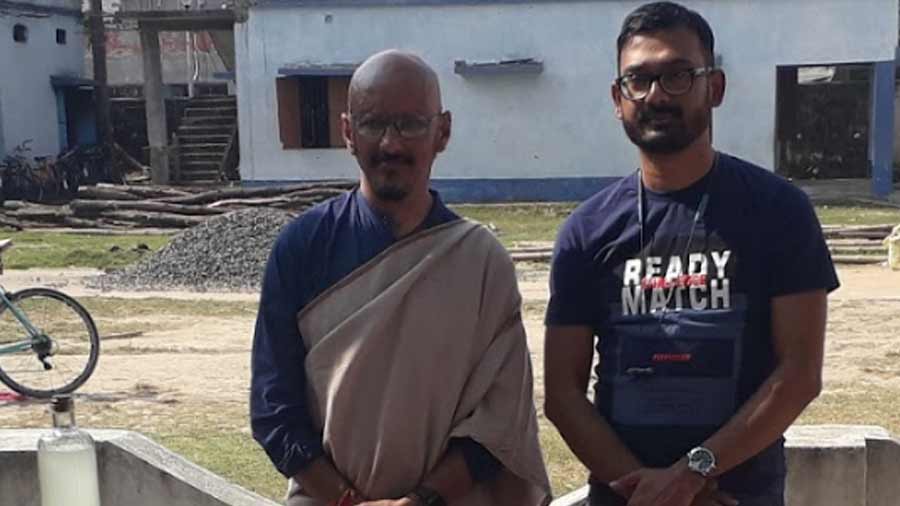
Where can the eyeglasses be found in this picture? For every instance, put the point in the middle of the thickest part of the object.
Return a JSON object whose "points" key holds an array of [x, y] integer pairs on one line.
{"points": [[637, 86], [408, 127]]}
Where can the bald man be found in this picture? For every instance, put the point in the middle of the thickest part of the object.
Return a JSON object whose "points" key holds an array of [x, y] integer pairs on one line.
{"points": [[390, 365]]}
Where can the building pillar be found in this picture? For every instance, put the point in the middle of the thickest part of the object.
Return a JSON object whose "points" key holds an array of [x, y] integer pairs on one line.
{"points": [[881, 129], [155, 106]]}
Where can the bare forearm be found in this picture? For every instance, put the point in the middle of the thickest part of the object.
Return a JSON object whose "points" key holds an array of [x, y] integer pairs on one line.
{"points": [[764, 417], [590, 437], [321, 480]]}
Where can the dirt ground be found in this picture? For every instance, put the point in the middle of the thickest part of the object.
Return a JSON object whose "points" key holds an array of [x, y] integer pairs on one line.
{"points": [[193, 373]]}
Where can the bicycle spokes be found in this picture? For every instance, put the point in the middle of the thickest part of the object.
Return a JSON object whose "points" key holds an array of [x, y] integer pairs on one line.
{"points": [[62, 343]]}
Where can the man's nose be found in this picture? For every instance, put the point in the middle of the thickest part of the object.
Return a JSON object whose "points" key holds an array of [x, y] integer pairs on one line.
{"points": [[656, 94], [391, 140]]}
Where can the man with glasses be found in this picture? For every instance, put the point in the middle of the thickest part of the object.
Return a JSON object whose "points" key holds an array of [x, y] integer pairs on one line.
{"points": [[703, 279], [389, 363]]}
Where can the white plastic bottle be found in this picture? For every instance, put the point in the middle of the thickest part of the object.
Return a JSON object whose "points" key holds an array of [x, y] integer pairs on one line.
{"points": [[67, 461]]}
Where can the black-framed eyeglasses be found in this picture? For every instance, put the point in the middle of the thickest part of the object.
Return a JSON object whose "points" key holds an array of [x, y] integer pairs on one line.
{"points": [[676, 82], [408, 127]]}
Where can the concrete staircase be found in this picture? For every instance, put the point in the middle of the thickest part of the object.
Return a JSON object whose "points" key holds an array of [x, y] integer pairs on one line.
{"points": [[207, 127]]}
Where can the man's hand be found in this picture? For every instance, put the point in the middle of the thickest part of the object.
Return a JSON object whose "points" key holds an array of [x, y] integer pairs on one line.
{"points": [[320, 480], [672, 486], [712, 496]]}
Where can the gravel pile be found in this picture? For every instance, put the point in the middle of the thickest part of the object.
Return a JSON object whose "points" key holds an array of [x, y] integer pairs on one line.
{"points": [[227, 252]]}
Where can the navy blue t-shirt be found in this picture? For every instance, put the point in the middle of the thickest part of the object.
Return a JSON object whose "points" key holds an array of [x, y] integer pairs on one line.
{"points": [[684, 322]]}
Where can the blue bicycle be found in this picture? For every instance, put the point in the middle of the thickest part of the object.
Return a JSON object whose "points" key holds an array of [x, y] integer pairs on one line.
{"points": [[49, 344]]}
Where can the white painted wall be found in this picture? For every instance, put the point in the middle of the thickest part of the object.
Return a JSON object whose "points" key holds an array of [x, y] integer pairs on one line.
{"points": [[559, 123], [28, 107]]}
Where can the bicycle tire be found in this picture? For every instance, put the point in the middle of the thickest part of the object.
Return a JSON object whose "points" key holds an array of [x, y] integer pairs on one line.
{"points": [[84, 327]]}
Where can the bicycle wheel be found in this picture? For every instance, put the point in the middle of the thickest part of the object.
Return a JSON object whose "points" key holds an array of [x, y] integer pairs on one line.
{"points": [[65, 354]]}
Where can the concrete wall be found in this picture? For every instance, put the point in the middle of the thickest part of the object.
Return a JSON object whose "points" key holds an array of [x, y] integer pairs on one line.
{"points": [[897, 127], [829, 465], [132, 471], [125, 66], [558, 124], [27, 100]]}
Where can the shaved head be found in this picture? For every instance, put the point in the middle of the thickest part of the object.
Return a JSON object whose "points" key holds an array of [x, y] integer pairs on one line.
{"points": [[395, 126], [393, 71]]}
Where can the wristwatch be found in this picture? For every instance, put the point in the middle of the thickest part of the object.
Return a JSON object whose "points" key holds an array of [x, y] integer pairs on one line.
{"points": [[701, 461], [425, 496]]}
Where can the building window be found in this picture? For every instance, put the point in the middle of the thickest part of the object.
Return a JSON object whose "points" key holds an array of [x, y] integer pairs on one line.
{"points": [[61, 37], [20, 33], [309, 111]]}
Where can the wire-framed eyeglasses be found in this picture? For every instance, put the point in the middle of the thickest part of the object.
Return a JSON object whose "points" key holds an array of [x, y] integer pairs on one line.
{"points": [[408, 127]]}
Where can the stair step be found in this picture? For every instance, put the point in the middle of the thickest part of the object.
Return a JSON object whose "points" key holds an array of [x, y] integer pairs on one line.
{"points": [[229, 100], [208, 121], [211, 110], [197, 147], [204, 130], [201, 157], [201, 165], [857, 259], [196, 176], [859, 251], [203, 140]]}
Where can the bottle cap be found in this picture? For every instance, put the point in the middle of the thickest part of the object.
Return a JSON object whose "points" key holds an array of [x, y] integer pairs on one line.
{"points": [[61, 403]]}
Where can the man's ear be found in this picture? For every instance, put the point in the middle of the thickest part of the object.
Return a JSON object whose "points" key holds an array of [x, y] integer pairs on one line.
{"points": [[444, 130], [717, 84], [617, 100], [347, 132]]}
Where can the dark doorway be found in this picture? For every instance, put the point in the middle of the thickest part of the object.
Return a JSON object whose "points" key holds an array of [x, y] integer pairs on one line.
{"points": [[822, 121]]}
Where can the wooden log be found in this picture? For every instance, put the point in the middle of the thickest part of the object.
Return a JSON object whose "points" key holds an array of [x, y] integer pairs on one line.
{"points": [[154, 192], [266, 201], [105, 193], [40, 213], [98, 207], [252, 202], [11, 223], [12, 205], [160, 220], [82, 223], [245, 193], [119, 155]]}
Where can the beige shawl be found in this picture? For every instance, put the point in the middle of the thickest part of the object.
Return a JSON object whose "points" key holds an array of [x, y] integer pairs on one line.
{"points": [[422, 344]]}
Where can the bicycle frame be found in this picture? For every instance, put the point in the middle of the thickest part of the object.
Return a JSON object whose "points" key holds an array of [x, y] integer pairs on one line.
{"points": [[33, 333]]}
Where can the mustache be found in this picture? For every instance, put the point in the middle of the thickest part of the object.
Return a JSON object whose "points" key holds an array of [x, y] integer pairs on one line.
{"points": [[379, 158], [652, 112]]}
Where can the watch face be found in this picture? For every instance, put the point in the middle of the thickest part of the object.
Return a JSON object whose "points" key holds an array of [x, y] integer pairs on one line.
{"points": [[701, 460]]}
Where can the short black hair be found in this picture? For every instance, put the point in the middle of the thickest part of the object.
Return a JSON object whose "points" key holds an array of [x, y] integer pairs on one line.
{"points": [[657, 16]]}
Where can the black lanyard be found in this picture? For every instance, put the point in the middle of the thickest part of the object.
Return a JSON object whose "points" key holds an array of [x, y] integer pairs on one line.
{"points": [[698, 213]]}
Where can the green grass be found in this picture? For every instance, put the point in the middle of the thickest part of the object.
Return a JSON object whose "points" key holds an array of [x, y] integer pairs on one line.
{"points": [[154, 307], [237, 458], [48, 249], [856, 215], [515, 223], [233, 455], [119, 316], [540, 222]]}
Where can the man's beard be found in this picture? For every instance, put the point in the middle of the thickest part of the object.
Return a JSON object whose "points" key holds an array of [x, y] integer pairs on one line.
{"points": [[671, 138], [389, 192], [385, 189]]}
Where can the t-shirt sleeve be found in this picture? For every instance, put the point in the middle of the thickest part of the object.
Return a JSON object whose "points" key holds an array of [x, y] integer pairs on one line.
{"points": [[799, 259], [570, 293]]}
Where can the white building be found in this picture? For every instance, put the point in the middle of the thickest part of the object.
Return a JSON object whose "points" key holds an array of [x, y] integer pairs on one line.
{"points": [[43, 96], [537, 121]]}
